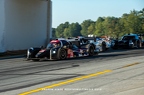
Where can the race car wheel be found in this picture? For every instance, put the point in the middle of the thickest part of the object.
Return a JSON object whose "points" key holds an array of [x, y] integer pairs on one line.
{"points": [[91, 51], [62, 54], [103, 46]]}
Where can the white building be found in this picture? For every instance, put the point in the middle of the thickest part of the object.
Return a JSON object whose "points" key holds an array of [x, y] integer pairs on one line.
{"points": [[24, 23]]}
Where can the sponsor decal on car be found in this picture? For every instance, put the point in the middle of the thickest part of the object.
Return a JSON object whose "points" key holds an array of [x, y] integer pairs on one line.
{"points": [[42, 50], [70, 53]]}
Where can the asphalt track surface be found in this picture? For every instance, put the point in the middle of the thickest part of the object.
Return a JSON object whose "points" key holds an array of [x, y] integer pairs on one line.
{"points": [[81, 76]]}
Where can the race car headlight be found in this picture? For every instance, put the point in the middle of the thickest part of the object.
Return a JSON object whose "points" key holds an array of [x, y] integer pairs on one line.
{"points": [[53, 51]]}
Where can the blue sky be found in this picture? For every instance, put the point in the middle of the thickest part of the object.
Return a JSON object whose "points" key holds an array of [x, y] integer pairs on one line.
{"points": [[80, 10]]}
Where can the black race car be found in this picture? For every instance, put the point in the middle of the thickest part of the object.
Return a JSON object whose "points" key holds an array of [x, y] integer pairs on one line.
{"points": [[60, 49], [127, 41]]}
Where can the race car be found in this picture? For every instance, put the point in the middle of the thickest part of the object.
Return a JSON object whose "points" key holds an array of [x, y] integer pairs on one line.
{"points": [[83, 42], [60, 49], [127, 41], [102, 43]]}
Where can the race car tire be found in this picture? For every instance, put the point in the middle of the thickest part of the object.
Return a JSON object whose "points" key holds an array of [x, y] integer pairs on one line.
{"points": [[62, 54], [138, 44], [103, 46], [91, 51]]}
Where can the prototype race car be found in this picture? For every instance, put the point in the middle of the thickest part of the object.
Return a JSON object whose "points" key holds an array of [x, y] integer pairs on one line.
{"points": [[84, 43], [127, 41], [102, 43], [60, 49]]}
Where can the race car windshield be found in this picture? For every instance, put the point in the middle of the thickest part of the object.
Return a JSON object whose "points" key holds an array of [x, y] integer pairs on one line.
{"points": [[53, 45]]}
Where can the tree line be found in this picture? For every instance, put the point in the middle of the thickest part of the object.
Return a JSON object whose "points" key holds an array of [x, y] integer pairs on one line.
{"points": [[115, 27]]}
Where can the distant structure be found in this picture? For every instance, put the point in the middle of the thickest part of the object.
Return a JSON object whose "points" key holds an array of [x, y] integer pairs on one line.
{"points": [[24, 24]]}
